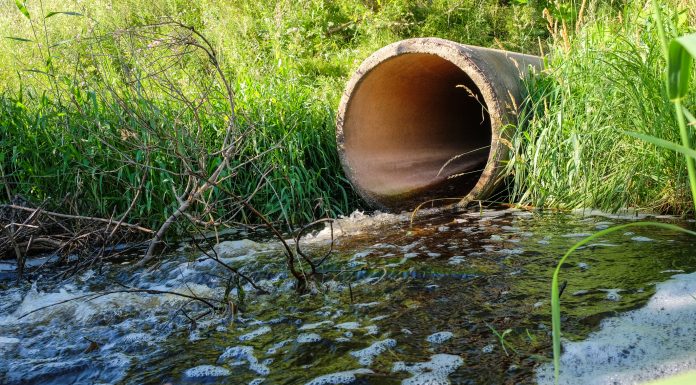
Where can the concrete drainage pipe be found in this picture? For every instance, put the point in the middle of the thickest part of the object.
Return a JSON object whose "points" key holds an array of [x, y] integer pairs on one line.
{"points": [[424, 118]]}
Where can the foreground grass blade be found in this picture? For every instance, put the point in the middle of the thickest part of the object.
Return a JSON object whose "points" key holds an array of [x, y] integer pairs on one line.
{"points": [[555, 298], [688, 378], [679, 65], [663, 143], [22, 8]]}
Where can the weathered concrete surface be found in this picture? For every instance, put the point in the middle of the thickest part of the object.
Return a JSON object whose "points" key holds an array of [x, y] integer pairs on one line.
{"points": [[424, 118]]}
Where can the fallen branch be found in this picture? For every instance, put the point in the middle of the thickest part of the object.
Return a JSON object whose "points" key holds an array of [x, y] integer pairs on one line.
{"points": [[78, 217]]}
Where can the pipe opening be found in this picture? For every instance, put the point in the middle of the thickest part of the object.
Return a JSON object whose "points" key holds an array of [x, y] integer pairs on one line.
{"points": [[408, 117]]}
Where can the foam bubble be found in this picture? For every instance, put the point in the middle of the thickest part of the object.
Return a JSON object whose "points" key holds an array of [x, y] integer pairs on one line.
{"points": [[434, 372], [348, 325], [367, 355], [245, 353], [274, 349], [439, 337], [307, 338], [456, 260], [315, 325], [207, 371], [339, 378], [253, 334]]}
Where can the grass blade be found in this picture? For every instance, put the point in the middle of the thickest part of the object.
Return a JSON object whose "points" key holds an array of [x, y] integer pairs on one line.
{"points": [[18, 39], [69, 13], [23, 8], [679, 65]]}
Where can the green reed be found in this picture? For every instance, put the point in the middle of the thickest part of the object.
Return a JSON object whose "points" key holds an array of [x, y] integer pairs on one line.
{"points": [[679, 55]]}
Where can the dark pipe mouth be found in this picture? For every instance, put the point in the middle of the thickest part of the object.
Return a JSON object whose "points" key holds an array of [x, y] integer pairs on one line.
{"points": [[416, 128]]}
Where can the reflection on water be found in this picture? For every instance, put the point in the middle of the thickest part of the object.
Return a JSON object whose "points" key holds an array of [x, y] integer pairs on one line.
{"points": [[456, 298]]}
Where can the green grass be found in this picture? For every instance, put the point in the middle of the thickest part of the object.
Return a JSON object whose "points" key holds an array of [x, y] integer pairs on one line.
{"points": [[61, 135], [605, 80], [62, 124]]}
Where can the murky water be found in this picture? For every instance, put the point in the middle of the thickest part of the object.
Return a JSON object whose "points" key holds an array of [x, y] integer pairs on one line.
{"points": [[455, 298]]}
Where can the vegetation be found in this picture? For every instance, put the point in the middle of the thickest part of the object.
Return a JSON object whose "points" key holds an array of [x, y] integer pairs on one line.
{"points": [[679, 55], [602, 80], [85, 116]]}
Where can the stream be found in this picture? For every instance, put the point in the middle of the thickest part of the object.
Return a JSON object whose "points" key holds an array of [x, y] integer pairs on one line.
{"points": [[453, 298]]}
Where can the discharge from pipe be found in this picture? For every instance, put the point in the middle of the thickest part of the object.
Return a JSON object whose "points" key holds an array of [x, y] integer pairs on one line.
{"points": [[427, 118]]}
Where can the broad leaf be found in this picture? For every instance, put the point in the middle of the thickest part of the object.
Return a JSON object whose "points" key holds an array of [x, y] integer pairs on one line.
{"points": [[663, 143], [23, 9], [50, 14], [682, 50]]}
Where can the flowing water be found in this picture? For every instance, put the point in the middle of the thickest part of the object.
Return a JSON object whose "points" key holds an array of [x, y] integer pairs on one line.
{"points": [[460, 298]]}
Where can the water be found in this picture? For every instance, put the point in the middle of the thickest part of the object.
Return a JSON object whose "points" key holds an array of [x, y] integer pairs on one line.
{"points": [[455, 298]]}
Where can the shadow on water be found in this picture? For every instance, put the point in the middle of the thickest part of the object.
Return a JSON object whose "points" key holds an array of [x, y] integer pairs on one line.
{"points": [[396, 303]]}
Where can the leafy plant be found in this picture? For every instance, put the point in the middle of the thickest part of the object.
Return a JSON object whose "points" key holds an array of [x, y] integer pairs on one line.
{"points": [[501, 338]]}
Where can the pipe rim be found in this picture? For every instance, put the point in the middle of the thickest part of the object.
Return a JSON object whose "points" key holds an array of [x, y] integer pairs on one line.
{"points": [[461, 56]]}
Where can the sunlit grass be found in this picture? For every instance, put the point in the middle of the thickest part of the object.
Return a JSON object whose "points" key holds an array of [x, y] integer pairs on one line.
{"points": [[679, 54]]}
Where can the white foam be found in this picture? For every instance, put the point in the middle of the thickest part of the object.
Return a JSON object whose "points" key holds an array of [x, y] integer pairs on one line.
{"points": [[434, 372], [339, 378], [230, 249], [207, 371], [274, 349], [245, 353], [8, 340], [641, 239], [439, 337], [308, 338], [576, 235], [456, 260], [253, 334], [347, 325], [645, 344], [367, 355], [315, 325], [364, 305]]}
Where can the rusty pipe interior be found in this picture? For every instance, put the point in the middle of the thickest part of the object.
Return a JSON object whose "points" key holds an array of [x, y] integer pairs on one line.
{"points": [[420, 121]]}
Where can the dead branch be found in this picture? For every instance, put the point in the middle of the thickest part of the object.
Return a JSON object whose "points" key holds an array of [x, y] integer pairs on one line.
{"points": [[78, 217]]}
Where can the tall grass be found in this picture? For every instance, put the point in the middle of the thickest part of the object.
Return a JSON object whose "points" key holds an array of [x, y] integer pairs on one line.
{"points": [[61, 135], [600, 82], [679, 56]]}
